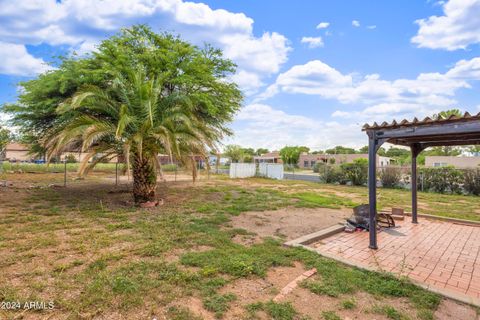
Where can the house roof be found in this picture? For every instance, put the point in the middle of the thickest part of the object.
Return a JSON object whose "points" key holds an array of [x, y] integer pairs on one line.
{"points": [[15, 146]]}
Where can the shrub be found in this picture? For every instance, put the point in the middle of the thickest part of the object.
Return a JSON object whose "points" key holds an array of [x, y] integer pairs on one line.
{"points": [[442, 180], [331, 174], [472, 181], [390, 176], [317, 166], [70, 158], [356, 172], [169, 167]]}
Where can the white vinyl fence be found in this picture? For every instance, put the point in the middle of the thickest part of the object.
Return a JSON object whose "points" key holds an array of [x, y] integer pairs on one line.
{"points": [[242, 170], [271, 170]]}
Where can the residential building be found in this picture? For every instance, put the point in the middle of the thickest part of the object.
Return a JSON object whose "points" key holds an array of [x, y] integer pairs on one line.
{"points": [[270, 157], [17, 152], [460, 162], [309, 160]]}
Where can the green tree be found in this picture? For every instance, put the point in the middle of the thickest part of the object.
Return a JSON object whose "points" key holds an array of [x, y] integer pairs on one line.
{"points": [[140, 94], [199, 72], [445, 150], [447, 113], [234, 152], [290, 155], [381, 151], [5, 137], [261, 151], [340, 150]]}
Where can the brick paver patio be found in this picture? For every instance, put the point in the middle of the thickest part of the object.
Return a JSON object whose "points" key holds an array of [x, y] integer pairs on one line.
{"points": [[443, 255]]}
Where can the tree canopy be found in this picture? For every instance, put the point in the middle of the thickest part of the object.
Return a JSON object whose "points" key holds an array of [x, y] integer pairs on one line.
{"points": [[201, 73], [140, 94], [291, 154]]}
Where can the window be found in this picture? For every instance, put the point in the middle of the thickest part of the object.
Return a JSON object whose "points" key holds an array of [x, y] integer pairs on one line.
{"points": [[312, 163], [305, 163], [440, 164]]}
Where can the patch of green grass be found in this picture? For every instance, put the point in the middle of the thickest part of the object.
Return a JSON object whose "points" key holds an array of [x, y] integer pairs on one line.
{"points": [[348, 304], [181, 313], [218, 303], [424, 314], [389, 311], [241, 261], [277, 311], [335, 279], [330, 315], [311, 199]]}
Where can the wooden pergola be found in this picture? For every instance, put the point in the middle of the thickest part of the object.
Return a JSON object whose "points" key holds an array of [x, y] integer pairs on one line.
{"points": [[417, 135]]}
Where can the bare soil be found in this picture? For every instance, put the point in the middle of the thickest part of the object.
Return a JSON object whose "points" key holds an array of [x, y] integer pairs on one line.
{"points": [[289, 223]]}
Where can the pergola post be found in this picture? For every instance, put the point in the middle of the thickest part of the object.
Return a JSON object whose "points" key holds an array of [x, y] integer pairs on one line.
{"points": [[372, 189], [415, 148]]}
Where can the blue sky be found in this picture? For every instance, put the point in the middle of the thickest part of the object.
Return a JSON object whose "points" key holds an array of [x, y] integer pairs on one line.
{"points": [[312, 71]]}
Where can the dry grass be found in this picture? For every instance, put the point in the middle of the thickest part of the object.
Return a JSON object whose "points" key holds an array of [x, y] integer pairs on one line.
{"points": [[93, 254]]}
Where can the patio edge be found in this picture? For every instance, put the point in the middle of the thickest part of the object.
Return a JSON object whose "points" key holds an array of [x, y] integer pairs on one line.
{"points": [[315, 236]]}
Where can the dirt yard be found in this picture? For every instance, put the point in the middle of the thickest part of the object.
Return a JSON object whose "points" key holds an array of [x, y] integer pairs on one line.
{"points": [[289, 223]]}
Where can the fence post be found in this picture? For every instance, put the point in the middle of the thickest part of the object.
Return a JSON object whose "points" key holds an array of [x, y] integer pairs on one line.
{"points": [[421, 181], [116, 173], [65, 173]]}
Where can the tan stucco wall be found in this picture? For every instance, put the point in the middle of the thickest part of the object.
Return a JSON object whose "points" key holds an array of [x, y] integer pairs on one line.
{"points": [[339, 159], [17, 155], [457, 162]]}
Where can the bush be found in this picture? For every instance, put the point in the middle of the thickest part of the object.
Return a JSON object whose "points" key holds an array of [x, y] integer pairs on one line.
{"points": [[472, 181], [331, 174], [356, 172], [70, 158], [442, 180], [390, 176], [169, 167]]}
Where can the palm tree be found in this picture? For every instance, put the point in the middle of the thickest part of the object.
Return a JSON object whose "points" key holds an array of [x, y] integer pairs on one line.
{"points": [[137, 117]]}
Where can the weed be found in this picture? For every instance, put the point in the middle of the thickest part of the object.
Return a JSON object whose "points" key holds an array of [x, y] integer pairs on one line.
{"points": [[218, 303], [348, 304], [330, 315], [277, 311]]}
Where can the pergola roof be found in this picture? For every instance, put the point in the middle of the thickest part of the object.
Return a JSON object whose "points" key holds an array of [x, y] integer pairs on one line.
{"points": [[454, 130], [417, 135]]}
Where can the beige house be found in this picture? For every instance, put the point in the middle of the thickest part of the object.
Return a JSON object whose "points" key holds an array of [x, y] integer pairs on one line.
{"points": [[458, 162], [270, 157], [309, 160], [80, 156], [17, 152]]}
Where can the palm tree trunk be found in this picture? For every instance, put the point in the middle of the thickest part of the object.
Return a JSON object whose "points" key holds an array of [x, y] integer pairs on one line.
{"points": [[144, 180], [194, 169]]}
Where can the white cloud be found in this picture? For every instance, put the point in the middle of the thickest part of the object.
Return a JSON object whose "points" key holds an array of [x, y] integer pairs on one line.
{"points": [[17, 61], [313, 42], [386, 98], [457, 28], [249, 82], [265, 126], [81, 24], [356, 23], [372, 27], [323, 25]]}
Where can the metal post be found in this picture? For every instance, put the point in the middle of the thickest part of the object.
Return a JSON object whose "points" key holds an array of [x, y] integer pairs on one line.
{"points": [[372, 190], [116, 174], [414, 183], [65, 174]]}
